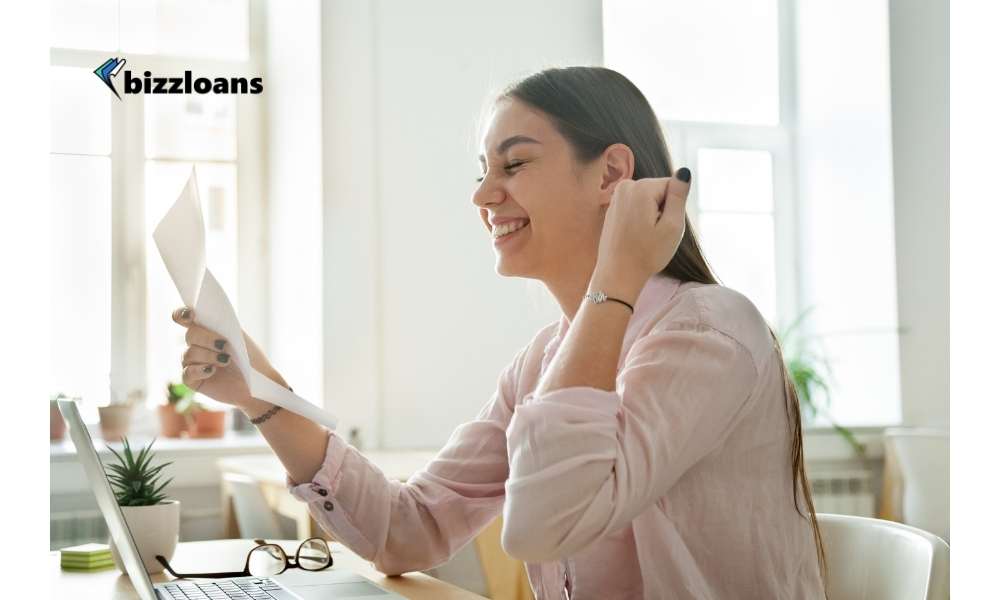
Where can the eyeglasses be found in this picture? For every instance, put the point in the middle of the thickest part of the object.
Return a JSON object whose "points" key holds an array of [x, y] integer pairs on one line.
{"points": [[270, 559]]}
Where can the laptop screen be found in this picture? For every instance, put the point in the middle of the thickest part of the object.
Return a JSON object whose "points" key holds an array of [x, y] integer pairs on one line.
{"points": [[106, 500]]}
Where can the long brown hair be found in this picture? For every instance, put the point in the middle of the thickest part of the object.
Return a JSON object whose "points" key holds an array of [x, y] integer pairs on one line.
{"points": [[594, 107]]}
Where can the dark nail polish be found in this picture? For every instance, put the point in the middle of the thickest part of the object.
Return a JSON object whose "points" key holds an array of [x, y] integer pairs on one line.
{"points": [[220, 344], [207, 369], [223, 357], [684, 174]]}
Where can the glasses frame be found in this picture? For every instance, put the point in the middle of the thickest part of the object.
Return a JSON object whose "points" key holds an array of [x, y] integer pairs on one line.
{"points": [[246, 566]]}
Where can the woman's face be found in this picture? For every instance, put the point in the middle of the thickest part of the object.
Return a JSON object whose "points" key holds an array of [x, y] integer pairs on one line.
{"points": [[534, 180]]}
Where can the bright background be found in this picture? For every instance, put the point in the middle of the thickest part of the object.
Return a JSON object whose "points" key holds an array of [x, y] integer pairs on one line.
{"points": [[25, 32]]}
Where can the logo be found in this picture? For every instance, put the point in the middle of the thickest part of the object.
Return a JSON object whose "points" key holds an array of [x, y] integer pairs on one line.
{"points": [[148, 84], [109, 69]]}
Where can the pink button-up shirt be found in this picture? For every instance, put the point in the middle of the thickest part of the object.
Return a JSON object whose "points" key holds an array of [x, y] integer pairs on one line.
{"points": [[675, 485]]}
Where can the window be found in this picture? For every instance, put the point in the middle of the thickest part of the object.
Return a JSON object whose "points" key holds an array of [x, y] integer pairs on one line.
{"points": [[117, 165], [786, 128]]}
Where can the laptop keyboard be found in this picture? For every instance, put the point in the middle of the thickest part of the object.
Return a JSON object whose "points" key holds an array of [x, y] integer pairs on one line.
{"points": [[243, 589]]}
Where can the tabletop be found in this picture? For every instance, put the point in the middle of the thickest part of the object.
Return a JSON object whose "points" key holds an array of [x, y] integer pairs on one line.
{"points": [[219, 555]]}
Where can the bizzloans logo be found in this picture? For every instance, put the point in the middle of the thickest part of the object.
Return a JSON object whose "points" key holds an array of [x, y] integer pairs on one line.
{"points": [[148, 84]]}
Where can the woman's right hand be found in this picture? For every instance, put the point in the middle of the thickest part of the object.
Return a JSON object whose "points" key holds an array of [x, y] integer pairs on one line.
{"points": [[208, 366]]}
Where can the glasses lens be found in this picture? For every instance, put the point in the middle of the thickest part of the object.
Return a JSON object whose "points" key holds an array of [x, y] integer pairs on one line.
{"points": [[267, 560], [314, 555]]}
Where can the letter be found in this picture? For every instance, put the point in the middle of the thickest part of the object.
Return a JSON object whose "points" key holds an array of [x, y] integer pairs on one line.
{"points": [[161, 82], [239, 85], [133, 85], [256, 85], [187, 82], [220, 86], [202, 85], [147, 85], [175, 85]]}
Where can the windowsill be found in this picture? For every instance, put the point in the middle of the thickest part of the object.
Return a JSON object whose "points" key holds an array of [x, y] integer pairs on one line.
{"points": [[232, 443], [822, 444]]}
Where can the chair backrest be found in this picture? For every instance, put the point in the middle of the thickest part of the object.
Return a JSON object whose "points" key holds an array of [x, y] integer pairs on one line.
{"points": [[924, 458], [872, 559], [253, 515]]}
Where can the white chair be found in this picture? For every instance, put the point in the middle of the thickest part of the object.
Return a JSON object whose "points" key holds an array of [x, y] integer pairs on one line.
{"points": [[923, 456], [872, 559], [254, 517]]}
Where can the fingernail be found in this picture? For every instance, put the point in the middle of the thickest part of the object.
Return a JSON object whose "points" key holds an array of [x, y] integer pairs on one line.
{"points": [[223, 357], [207, 369], [684, 174], [185, 313], [220, 344]]}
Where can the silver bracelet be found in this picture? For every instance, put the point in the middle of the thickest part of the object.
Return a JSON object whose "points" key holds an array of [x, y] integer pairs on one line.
{"points": [[599, 296]]}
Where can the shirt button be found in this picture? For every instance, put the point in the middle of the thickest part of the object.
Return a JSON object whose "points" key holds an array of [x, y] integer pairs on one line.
{"points": [[321, 492], [328, 505]]}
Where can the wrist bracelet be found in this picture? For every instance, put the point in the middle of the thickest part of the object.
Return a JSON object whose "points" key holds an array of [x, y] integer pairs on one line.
{"points": [[267, 415], [598, 297]]}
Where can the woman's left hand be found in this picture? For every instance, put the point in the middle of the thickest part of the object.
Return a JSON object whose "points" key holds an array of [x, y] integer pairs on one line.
{"points": [[643, 226]]}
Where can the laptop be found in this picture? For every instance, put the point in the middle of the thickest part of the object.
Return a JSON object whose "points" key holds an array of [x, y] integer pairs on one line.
{"points": [[329, 584]]}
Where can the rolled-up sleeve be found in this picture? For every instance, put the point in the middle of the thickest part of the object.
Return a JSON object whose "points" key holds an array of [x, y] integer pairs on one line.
{"points": [[420, 523], [584, 462]]}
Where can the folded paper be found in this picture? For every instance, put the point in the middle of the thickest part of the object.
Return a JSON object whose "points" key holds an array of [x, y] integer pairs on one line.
{"points": [[180, 238]]}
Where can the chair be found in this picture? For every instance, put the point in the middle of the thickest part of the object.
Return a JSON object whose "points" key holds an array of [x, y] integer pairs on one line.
{"points": [[923, 456], [254, 517], [872, 559]]}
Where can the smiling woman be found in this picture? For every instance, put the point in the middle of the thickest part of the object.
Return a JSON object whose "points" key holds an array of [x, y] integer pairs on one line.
{"points": [[648, 447]]}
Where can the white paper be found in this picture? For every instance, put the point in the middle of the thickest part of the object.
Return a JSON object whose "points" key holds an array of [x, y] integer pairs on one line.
{"points": [[180, 238]]}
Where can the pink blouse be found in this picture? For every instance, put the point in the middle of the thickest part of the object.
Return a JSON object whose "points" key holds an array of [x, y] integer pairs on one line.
{"points": [[675, 485]]}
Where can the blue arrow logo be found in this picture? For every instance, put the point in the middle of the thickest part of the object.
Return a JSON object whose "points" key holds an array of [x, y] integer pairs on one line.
{"points": [[109, 69]]}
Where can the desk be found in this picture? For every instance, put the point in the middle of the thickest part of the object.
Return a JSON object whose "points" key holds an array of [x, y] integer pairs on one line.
{"points": [[218, 555]]}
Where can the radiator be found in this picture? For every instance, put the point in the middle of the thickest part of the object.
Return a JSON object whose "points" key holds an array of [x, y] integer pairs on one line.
{"points": [[71, 528], [845, 492], [78, 527]]}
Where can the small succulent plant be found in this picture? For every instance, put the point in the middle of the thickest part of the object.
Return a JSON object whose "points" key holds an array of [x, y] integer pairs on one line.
{"points": [[134, 480]]}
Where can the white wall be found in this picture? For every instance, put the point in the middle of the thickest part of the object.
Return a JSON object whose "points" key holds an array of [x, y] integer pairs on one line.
{"points": [[920, 139], [402, 91], [294, 190]]}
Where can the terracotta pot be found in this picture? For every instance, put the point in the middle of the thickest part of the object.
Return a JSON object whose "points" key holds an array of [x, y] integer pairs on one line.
{"points": [[172, 423], [57, 427], [209, 424], [155, 529], [115, 421]]}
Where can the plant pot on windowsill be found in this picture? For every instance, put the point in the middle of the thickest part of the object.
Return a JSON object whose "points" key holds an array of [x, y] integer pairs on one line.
{"points": [[115, 420], [173, 423], [57, 427], [202, 422], [116, 417], [208, 424]]}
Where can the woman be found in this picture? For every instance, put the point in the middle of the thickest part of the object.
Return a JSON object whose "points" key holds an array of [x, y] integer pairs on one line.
{"points": [[644, 446]]}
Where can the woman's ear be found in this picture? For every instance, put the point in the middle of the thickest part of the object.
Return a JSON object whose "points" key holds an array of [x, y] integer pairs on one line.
{"points": [[618, 163]]}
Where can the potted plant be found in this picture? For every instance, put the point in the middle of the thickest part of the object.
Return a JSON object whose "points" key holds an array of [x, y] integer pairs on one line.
{"points": [[202, 422], [809, 372], [115, 417], [153, 519], [172, 422], [57, 427]]}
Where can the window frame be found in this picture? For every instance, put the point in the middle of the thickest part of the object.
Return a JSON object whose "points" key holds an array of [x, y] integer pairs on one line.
{"points": [[128, 166], [685, 138]]}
